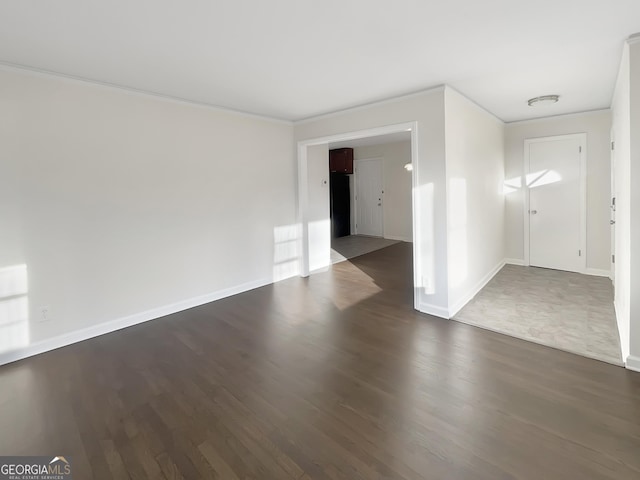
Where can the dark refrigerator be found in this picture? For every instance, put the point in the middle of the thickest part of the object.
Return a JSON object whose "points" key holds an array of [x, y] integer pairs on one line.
{"points": [[340, 205]]}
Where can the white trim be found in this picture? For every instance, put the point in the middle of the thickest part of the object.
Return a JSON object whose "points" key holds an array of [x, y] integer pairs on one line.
{"points": [[633, 363], [415, 215], [583, 194], [514, 261], [303, 209], [303, 191], [433, 310], [16, 68], [364, 106], [516, 123], [124, 322], [635, 38], [525, 205], [369, 132], [621, 320], [399, 238], [583, 198], [598, 272], [457, 306], [612, 210]]}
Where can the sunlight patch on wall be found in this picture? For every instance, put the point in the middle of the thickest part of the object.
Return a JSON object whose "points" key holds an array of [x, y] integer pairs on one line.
{"points": [[286, 252], [14, 308], [319, 244], [543, 177], [425, 278], [458, 242], [512, 185], [533, 180]]}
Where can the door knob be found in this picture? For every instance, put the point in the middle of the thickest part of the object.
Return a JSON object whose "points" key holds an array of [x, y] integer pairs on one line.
{"points": [[612, 222], [533, 212]]}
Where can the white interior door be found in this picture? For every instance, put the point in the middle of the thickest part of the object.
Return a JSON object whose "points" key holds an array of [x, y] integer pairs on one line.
{"points": [[369, 197], [556, 206]]}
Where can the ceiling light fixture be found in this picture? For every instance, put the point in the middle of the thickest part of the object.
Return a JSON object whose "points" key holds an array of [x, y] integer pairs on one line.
{"points": [[543, 100]]}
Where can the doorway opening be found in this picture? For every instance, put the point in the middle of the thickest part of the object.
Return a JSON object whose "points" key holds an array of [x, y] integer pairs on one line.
{"points": [[357, 195], [369, 193]]}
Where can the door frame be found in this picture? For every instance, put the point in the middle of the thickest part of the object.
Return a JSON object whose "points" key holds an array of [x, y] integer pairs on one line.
{"points": [[612, 210], [303, 193], [583, 194], [355, 189]]}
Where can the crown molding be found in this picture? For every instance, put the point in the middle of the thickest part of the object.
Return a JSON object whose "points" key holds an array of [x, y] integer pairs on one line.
{"points": [[366, 106], [633, 39], [557, 117], [17, 68]]}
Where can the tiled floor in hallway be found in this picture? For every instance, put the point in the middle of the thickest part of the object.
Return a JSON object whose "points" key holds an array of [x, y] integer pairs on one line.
{"points": [[565, 310]]}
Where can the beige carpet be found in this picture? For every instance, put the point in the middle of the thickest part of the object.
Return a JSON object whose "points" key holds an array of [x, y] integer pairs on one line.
{"points": [[565, 310], [343, 248]]}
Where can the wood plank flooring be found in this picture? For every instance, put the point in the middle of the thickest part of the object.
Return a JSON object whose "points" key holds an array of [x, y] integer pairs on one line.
{"points": [[351, 246], [330, 377]]}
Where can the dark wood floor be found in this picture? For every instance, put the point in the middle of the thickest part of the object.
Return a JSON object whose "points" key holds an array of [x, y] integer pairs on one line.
{"points": [[330, 377]]}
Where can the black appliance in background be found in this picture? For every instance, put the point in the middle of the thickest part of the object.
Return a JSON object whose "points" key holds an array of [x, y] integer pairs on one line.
{"points": [[340, 205]]}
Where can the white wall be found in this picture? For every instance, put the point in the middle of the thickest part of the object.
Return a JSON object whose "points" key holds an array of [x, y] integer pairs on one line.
{"points": [[633, 360], [475, 176], [319, 236], [597, 126], [397, 214], [621, 134], [118, 203], [427, 109]]}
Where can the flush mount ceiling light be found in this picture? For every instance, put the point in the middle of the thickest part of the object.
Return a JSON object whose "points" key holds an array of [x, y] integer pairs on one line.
{"points": [[543, 100]]}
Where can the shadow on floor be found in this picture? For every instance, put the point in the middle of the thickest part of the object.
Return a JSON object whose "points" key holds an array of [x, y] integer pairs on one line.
{"points": [[351, 246]]}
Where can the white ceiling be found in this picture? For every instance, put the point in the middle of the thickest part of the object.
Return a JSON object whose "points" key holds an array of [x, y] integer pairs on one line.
{"points": [[293, 59]]}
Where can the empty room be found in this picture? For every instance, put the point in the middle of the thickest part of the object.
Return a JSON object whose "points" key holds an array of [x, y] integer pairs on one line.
{"points": [[320, 240]]}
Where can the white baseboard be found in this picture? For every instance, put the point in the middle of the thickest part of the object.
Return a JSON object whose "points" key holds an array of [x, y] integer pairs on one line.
{"points": [[598, 272], [514, 261], [434, 310], [633, 363], [460, 303], [123, 322], [399, 238], [623, 333]]}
